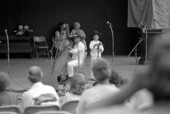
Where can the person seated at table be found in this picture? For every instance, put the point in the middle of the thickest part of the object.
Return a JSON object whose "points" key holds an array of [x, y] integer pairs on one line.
{"points": [[77, 86]]}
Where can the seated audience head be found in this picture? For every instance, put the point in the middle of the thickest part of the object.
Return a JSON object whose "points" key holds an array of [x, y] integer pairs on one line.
{"points": [[160, 68], [4, 81], [77, 84], [101, 70], [35, 74], [77, 25], [117, 80]]}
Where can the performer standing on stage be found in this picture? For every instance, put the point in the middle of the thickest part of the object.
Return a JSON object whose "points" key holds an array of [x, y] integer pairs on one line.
{"points": [[63, 42], [96, 48], [60, 38], [78, 55], [80, 32]]}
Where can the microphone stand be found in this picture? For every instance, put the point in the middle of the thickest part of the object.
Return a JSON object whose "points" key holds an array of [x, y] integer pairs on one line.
{"points": [[146, 45], [8, 50], [135, 49], [110, 26], [51, 51]]}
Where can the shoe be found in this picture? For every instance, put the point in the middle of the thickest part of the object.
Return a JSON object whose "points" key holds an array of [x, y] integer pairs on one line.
{"points": [[59, 79]]}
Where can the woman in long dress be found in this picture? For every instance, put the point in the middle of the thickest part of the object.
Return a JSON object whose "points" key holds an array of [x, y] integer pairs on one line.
{"points": [[59, 65]]}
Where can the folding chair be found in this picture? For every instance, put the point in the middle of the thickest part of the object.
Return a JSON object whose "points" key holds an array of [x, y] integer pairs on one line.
{"points": [[8, 113], [35, 109], [40, 46], [10, 109], [53, 112], [70, 106]]}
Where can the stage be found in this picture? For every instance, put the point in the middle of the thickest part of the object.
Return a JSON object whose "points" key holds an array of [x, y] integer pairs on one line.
{"points": [[18, 68]]}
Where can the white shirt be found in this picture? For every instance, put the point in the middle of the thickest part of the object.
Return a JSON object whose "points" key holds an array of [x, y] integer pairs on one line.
{"points": [[70, 97], [78, 51], [95, 50], [94, 94], [141, 100], [37, 89]]}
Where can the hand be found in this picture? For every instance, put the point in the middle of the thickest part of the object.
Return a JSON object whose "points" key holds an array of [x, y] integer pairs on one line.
{"points": [[69, 47], [95, 45]]}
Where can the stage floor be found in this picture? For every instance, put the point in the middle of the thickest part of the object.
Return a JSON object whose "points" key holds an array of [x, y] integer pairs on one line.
{"points": [[18, 68]]}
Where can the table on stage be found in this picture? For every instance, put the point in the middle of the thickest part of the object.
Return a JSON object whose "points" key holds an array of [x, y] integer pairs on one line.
{"points": [[17, 45]]}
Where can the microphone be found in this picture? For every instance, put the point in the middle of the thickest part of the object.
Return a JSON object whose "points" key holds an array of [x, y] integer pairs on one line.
{"points": [[5, 30], [108, 23]]}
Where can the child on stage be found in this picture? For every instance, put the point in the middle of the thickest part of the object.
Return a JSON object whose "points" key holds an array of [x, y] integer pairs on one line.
{"points": [[96, 48]]}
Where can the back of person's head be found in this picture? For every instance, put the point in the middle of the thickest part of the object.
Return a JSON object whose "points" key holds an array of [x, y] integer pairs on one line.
{"points": [[117, 80], [4, 81], [160, 48], [35, 74], [101, 70], [160, 68], [77, 84]]}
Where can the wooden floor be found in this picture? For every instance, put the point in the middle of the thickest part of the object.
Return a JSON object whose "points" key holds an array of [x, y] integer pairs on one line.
{"points": [[18, 68]]}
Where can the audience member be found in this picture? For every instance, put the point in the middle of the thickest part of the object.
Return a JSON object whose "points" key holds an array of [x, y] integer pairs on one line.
{"points": [[117, 80], [155, 79], [77, 85], [39, 94], [6, 97], [102, 72]]}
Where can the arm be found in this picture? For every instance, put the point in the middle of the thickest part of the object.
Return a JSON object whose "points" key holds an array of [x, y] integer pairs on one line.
{"points": [[73, 32], [80, 48], [91, 45], [57, 36], [26, 100], [82, 34], [101, 48]]}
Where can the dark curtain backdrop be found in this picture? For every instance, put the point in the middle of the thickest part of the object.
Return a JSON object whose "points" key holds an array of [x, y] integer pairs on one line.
{"points": [[43, 16]]}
